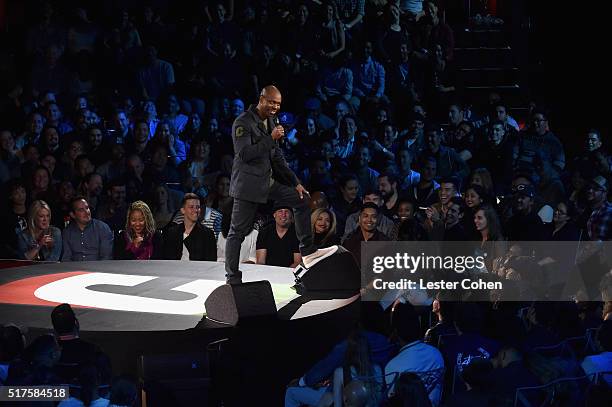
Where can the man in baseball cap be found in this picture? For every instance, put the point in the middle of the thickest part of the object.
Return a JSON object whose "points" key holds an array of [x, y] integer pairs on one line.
{"points": [[599, 224]]}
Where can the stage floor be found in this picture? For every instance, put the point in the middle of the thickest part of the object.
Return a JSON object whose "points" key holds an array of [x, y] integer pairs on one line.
{"points": [[156, 295]]}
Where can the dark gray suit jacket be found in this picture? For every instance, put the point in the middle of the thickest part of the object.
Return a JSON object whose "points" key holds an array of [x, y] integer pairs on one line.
{"points": [[257, 158]]}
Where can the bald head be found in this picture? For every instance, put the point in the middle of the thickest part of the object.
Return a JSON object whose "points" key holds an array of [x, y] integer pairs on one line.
{"points": [[269, 102], [269, 91]]}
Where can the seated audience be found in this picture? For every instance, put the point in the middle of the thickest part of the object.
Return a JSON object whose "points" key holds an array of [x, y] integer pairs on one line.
{"points": [[189, 240], [85, 238], [139, 240], [277, 244], [414, 356], [40, 241], [368, 217], [323, 226]]}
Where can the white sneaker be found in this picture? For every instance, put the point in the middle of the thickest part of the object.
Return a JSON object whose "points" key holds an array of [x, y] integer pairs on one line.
{"points": [[313, 258]]}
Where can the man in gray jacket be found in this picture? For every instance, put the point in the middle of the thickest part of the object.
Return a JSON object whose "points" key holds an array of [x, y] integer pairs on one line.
{"points": [[259, 173]]}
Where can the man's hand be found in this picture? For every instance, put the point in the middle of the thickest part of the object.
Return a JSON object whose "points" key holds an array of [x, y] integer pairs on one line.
{"points": [[301, 191], [278, 132]]}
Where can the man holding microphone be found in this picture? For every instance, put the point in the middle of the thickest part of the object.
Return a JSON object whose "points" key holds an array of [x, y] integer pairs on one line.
{"points": [[260, 173]]}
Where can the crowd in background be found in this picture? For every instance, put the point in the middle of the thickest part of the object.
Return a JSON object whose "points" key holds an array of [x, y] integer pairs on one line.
{"points": [[115, 143]]}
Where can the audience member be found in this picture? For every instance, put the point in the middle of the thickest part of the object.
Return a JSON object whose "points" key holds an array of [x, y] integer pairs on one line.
{"points": [[40, 241], [85, 238], [139, 240], [277, 244], [414, 356], [189, 241], [368, 218], [323, 222]]}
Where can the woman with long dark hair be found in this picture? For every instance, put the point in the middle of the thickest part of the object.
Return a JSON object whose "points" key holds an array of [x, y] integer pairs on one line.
{"points": [[565, 228], [139, 240]]}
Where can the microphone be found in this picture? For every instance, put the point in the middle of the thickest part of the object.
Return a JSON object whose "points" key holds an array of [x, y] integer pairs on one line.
{"points": [[276, 122]]}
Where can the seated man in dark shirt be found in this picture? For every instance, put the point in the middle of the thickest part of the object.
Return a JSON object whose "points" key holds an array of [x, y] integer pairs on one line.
{"points": [[189, 240], [368, 217], [75, 351], [277, 244], [511, 372]]}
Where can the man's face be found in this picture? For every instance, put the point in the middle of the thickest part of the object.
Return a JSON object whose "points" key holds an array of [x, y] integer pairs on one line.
{"points": [[191, 210], [433, 139], [118, 194], [497, 134], [40, 179], [223, 187], [368, 219], [66, 191], [455, 115], [501, 113], [18, 196], [36, 124], [446, 191], [429, 170], [94, 186], [135, 165], [593, 142], [523, 203], [51, 137], [364, 157], [367, 50], [349, 128], [270, 103], [160, 158], [237, 107], [540, 124], [453, 215], [373, 198], [84, 167], [53, 112], [385, 187], [341, 111], [595, 194], [81, 212], [405, 159], [141, 132], [283, 217], [95, 137], [49, 162], [117, 152], [122, 122], [381, 116]]}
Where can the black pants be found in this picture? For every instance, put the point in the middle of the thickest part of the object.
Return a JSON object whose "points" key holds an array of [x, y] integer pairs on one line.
{"points": [[243, 214]]}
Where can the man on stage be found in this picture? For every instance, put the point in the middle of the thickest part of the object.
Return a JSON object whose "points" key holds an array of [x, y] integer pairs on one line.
{"points": [[259, 173]]}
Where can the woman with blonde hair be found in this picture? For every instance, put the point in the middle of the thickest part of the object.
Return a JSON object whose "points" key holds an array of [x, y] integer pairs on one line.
{"points": [[139, 240], [323, 225], [40, 241]]}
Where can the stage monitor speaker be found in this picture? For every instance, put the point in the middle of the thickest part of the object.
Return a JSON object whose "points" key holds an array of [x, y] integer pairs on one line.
{"points": [[339, 272], [231, 304]]}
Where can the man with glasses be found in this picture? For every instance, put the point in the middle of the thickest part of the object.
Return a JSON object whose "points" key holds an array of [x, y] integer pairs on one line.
{"points": [[260, 172], [189, 240], [538, 139], [599, 225]]}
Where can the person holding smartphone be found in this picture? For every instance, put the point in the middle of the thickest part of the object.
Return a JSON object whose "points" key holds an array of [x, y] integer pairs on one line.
{"points": [[40, 241]]}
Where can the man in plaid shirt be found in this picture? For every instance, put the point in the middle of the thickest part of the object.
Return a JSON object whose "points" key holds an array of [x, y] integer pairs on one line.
{"points": [[599, 225]]}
